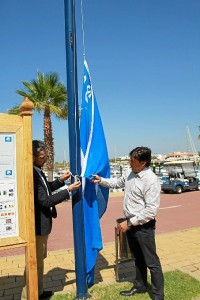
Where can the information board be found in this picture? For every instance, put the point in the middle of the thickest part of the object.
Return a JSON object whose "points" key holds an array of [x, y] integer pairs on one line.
{"points": [[8, 188]]}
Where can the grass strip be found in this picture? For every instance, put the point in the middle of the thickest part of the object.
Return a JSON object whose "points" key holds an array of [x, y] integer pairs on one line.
{"points": [[178, 286]]}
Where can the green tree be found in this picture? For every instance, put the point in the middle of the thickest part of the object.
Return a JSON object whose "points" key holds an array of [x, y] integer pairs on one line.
{"points": [[50, 97]]}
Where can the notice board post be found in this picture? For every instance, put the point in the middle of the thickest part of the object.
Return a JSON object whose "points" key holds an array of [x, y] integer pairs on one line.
{"points": [[16, 190]]}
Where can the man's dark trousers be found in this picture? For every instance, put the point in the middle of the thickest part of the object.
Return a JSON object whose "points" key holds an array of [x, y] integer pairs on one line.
{"points": [[141, 240]]}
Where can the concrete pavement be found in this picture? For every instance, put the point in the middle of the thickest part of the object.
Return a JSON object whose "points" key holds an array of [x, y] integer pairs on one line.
{"points": [[177, 250]]}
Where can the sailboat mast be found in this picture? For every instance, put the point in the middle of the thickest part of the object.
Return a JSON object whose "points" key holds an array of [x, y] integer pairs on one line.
{"points": [[190, 140]]}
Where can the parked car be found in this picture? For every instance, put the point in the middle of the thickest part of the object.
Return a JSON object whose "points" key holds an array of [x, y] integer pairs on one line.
{"points": [[162, 177], [182, 177]]}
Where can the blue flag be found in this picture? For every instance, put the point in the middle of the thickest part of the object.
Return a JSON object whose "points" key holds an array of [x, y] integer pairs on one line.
{"points": [[94, 160]]}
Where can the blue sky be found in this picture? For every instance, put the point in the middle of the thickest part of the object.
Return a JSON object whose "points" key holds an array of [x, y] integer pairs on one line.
{"points": [[144, 62]]}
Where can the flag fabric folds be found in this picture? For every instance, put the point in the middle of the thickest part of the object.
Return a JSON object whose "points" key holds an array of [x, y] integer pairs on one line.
{"points": [[94, 160]]}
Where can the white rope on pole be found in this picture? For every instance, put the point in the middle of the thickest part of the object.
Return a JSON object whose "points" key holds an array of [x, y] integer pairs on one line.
{"points": [[83, 32]]}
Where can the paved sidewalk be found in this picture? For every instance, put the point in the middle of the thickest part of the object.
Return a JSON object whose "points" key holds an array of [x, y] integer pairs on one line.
{"points": [[177, 250]]}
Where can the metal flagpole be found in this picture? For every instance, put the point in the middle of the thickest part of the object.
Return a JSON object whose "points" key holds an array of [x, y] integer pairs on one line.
{"points": [[74, 148]]}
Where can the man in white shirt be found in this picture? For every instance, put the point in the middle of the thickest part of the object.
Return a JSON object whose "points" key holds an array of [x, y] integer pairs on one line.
{"points": [[141, 203]]}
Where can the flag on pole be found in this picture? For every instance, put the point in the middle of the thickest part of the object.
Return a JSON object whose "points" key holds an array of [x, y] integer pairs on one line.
{"points": [[94, 160]]}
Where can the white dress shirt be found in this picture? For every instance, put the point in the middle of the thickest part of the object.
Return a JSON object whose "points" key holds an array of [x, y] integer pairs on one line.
{"points": [[141, 194]]}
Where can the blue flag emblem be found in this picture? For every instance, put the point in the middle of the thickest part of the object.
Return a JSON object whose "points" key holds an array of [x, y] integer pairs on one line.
{"points": [[94, 160]]}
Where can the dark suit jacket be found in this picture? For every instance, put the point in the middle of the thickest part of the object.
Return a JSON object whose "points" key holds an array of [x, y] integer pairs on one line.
{"points": [[44, 202]]}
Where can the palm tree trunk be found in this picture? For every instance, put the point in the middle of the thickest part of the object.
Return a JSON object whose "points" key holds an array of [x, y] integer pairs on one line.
{"points": [[49, 144]]}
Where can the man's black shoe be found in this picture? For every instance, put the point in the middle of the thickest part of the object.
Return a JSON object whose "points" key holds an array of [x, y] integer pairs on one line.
{"points": [[132, 291], [46, 294]]}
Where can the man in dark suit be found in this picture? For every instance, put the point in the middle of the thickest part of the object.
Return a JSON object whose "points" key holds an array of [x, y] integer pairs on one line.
{"points": [[45, 202]]}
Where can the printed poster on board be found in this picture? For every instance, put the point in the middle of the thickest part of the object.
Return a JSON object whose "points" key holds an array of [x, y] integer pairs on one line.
{"points": [[8, 187]]}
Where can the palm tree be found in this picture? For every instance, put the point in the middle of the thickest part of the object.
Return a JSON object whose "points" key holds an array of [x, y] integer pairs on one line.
{"points": [[14, 110], [50, 97]]}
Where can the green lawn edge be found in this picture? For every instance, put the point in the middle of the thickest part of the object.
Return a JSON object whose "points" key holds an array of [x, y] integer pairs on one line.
{"points": [[178, 286]]}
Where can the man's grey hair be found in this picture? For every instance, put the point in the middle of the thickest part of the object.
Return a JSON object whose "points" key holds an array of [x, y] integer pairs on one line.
{"points": [[37, 146]]}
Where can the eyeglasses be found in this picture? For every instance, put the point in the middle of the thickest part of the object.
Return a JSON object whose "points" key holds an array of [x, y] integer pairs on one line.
{"points": [[41, 148], [43, 157]]}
